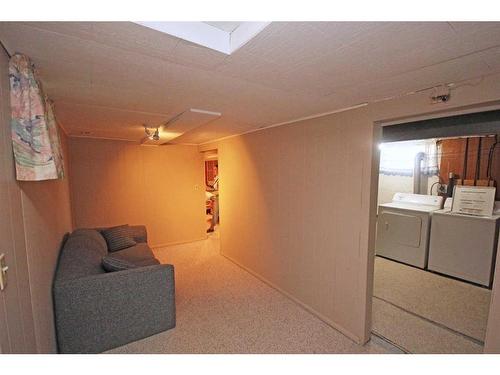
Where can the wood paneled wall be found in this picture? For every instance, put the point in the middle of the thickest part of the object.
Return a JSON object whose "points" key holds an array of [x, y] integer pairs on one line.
{"points": [[47, 217], [473, 153], [295, 202], [40, 215], [162, 187], [310, 231]]}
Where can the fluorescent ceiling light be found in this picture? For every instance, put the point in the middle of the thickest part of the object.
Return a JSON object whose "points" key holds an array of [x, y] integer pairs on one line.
{"points": [[214, 35]]}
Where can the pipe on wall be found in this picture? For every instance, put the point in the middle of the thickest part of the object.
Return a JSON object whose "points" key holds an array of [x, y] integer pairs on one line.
{"points": [[466, 155], [478, 162], [417, 173]]}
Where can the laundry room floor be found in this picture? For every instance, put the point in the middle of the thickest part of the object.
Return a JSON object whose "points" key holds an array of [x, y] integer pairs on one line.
{"points": [[423, 312]]}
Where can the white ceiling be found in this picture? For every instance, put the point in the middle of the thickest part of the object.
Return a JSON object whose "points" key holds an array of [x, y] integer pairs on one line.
{"points": [[110, 77]]}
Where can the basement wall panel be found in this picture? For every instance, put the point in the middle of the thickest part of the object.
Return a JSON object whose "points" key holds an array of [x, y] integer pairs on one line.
{"points": [[117, 182], [298, 202]]}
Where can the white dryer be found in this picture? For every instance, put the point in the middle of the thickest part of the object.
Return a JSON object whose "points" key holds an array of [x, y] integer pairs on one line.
{"points": [[403, 227]]}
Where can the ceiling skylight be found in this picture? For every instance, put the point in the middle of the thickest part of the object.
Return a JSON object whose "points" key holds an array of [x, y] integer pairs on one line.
{"points": [[225, 37]]}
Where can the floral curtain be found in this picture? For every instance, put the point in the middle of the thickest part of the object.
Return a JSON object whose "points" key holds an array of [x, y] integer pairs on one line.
{"points": [[35, 136]]}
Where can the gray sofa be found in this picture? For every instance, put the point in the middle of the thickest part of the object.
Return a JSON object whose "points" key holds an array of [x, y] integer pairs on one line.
{"points": [[97, 310]]}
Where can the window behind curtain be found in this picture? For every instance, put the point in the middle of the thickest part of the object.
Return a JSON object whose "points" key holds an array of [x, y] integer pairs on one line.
{"points": [[398, 158]]}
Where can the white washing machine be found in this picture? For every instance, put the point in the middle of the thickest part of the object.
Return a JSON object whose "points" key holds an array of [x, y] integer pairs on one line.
{"points": [[403, 227], [464, 246]]}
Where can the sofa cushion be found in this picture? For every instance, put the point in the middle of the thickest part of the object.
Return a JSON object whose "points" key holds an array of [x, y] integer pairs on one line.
{"points": [[136, 254], [138, 233], [112, 264], [147, 262], [118, 238], [95, 235], [81, 256]]}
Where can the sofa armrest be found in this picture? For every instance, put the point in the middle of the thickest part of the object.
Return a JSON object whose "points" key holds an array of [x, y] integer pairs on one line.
{"points": [[103, 311], [138, 233]]}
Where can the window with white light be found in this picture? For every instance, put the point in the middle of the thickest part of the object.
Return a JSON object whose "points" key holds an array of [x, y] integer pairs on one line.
{"points": [[398, 158]]}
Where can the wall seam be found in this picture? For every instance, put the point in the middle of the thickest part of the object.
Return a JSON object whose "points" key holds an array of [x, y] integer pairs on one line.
{"points": [[37, 339]]}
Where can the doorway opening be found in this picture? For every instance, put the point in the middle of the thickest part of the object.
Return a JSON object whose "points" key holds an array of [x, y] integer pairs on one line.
{"points": [[438, 219], [212, 191]]}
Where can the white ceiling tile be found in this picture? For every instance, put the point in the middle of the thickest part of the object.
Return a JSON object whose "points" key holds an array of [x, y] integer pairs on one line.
{"points": [[108, 77], [215, 129], [42, 44], [477, 35], [105, 122], [289, 43], [384, 53], [125, 35], [190, 54], [254, 69], [62, 72], [439, 74], [344, 33], [492, 58]]}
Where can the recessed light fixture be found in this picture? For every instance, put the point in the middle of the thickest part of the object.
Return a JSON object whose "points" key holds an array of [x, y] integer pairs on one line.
{"points": [[225, 37]]}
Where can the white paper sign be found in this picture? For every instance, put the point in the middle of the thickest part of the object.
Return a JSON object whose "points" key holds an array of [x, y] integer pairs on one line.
{"points": [[473, 200]]}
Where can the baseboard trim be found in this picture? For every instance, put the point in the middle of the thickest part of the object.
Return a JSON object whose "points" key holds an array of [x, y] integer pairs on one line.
{"points": [[178, 242], [306, 307]]}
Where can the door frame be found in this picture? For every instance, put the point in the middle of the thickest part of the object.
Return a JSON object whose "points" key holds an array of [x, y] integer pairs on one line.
{"points": [[4, 335], [492, 339]]}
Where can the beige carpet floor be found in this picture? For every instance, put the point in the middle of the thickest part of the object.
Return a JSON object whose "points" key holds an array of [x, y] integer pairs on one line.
{"points": [[416, 335], [423, 312], [224, 309], [460, 306]]}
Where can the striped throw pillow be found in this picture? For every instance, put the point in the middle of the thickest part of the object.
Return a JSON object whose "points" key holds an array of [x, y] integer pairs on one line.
{"points": [[118, 238]]}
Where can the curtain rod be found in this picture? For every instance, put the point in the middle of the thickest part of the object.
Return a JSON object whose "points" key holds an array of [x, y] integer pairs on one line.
{"points": [[5, 49]]}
